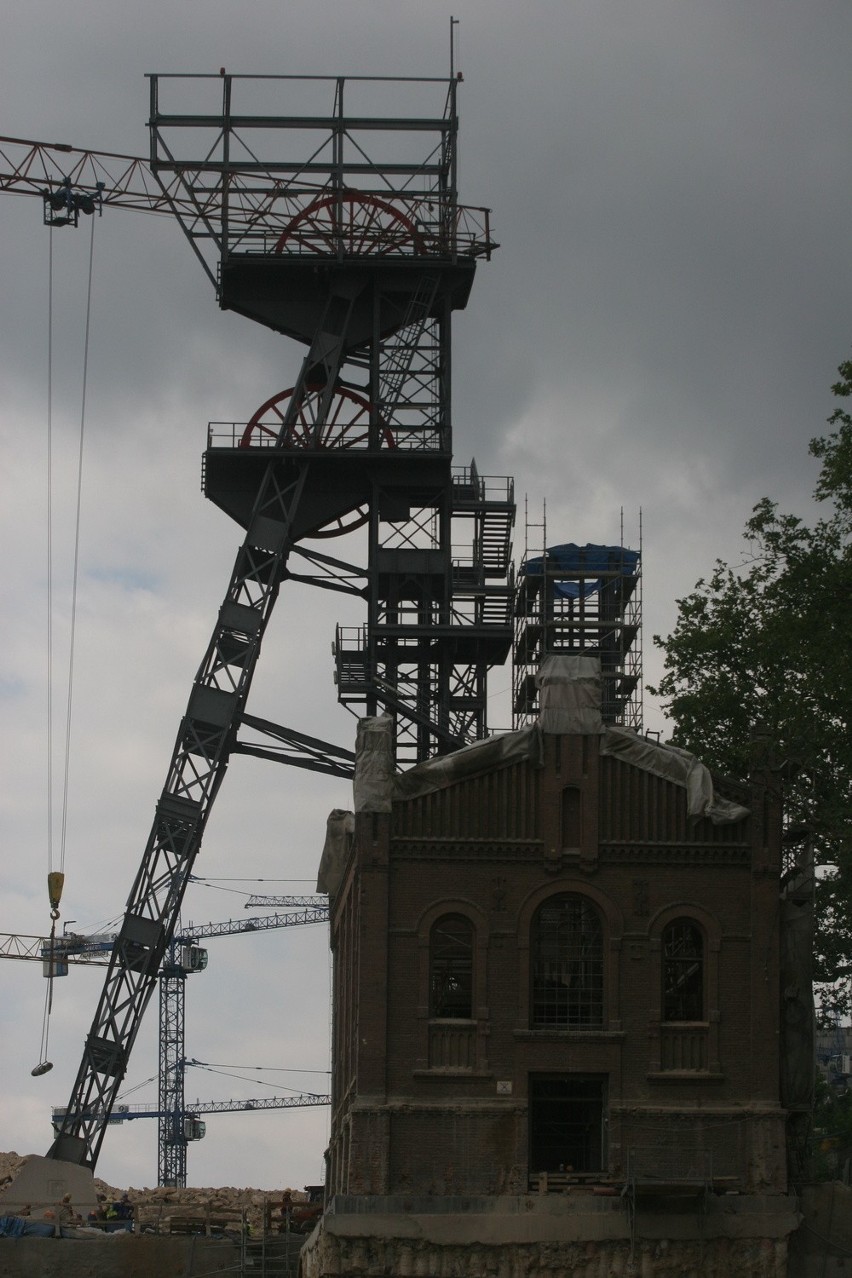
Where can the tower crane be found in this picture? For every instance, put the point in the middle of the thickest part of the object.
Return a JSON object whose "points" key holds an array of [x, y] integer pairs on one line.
{"points": [[183, 958], [353, 244]]}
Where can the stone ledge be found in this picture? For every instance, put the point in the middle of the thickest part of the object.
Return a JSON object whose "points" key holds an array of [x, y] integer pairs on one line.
{"points": [[684, 1076], [539, 1218]]}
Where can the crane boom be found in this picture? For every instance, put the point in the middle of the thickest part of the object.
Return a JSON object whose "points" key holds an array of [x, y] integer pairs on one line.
{"points": [[121, 181], [77, 948], [122, 1113], [308, 910], [285, 902], [69, 948], [302, 1100]]}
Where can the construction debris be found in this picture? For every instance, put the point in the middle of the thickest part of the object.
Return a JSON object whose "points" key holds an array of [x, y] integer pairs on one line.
{"points": [[203, 1211]]}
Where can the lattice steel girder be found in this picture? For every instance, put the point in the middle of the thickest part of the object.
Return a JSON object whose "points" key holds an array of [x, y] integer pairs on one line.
{"points": [[304, 911], [304, 1100], [67, 948], [172, 1138], [331, 157], [246, 126], [196, 771], [293, 902], [284, 745], [122, 181], [367, 184], [172, 1144]]}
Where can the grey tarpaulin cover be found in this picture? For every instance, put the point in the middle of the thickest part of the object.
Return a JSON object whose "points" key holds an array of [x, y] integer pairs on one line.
{"points": [[339, 830], [674, 764], [480, 756], [570, 703], [374, 764], [376, 785], [569, 694]]}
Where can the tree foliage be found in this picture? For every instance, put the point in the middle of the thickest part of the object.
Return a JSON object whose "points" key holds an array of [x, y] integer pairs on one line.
{"points": [[831, 1139], [769, 642]]}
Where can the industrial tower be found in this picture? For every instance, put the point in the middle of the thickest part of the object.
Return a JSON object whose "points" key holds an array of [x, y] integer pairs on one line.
{"points": [[354, 245]]}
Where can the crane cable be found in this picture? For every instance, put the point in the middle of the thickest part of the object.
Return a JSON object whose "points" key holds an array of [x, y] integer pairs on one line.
{"points": [[56, 878], [50, 552], [75, 574]]}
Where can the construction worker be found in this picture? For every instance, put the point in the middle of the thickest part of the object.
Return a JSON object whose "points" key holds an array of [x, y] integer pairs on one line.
{"points": [[66, 1214]]}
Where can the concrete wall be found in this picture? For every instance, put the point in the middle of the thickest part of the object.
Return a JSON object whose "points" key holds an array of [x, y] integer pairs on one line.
{"points": [[40, 1183], [117, 1256]]}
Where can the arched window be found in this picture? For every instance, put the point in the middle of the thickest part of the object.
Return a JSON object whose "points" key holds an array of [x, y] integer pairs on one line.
{"points": [[683, 972], [567, 964], [451, 968]]}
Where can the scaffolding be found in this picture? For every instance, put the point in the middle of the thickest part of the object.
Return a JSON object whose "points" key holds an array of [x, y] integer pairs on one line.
{"points": [[579, 599]]}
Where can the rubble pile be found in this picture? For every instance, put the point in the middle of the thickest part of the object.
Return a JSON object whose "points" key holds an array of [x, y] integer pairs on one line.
{"points": [[167, 1210], [10, 1165]]}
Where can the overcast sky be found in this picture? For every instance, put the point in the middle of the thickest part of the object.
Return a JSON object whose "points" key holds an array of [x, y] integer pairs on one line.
{"points": [[670, 185]]}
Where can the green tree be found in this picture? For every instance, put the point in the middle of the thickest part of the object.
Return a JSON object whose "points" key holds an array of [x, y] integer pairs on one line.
{"points": [[769, 642], [831, 1138]]}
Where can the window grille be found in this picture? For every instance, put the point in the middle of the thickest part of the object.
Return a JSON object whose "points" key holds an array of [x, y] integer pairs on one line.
{"points": [[451, 968], [567, 967], [683, 972]]}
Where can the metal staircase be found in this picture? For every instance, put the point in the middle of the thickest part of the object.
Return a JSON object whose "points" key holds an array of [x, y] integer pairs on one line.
{"points": [[440, 616]]}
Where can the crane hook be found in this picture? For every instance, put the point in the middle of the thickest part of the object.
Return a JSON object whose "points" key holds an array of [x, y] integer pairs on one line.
{"points": [[55, 884]]}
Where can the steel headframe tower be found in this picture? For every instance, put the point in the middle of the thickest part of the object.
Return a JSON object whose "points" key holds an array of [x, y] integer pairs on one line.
{"points": [[363, 253], [356, 247]]}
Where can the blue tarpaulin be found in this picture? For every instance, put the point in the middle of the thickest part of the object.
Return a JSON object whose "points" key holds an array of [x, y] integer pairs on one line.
{"points": [[571, 558], [20, 1227]]}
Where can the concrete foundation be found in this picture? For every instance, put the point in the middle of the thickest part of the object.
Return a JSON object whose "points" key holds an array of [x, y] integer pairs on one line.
{"points": [[577, 1236], [41, 1183]]}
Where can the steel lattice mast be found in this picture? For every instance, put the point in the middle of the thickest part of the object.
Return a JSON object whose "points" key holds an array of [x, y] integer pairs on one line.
{"points": [[181, 960]]}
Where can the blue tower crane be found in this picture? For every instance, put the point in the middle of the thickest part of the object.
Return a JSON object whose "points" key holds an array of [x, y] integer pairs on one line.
{"points": [[176, 1125], [183, 958]]}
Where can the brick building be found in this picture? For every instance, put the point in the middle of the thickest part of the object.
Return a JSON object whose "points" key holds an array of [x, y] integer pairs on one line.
{"points": [[556, 1009]]}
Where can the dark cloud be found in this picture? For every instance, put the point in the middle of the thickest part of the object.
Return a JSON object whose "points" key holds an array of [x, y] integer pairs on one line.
{"points": [[660, 328]]}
